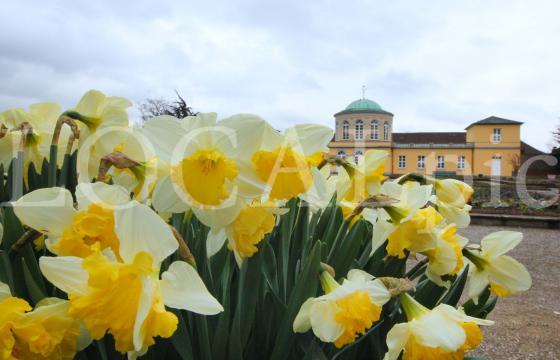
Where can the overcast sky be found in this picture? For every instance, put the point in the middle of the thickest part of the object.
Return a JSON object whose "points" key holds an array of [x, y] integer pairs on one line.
{"points": [[437, 66]]}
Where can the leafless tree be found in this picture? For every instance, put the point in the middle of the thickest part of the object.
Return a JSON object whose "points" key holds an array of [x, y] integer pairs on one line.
{"points": [[160, 106]]}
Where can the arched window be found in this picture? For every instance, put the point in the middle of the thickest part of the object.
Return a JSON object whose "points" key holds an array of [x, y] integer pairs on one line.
{"points": [[386, 131], [357, 155], [341, 154], [374, 130], [359, 135], [345, 131]]}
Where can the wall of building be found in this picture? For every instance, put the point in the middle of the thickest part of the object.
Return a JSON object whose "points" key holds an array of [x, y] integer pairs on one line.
{"points": [[481, 135], [483, 160], [431, 155]]}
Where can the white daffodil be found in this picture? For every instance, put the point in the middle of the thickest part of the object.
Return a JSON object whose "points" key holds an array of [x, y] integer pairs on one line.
{"points": [[41, 119], [441, 333], [404, 223], [76, 232], [345, 311], [504, 274], [446, 258], [285, 161], [208, 160], [320, 194], [452, 197], [128, 298], [253, 222]]}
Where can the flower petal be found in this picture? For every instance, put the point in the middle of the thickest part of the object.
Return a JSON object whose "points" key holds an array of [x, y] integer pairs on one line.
{"points": [[322, 316], [215, 241], [397, 338], [100, 193], [141, 229], [47, 210], [66, 273], [302, 322], [309, 139], [436, 329], [499, 243], [164, 132], [509, 273], [166, 199], [182, 288], [478, 281], [144, 306], [4, 291]]}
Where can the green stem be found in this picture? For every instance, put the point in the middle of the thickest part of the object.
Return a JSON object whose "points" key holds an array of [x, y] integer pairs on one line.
{"points": [[52, 165]]}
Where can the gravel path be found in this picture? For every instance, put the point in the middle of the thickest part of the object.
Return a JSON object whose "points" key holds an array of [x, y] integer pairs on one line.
{"points": [[527, 325]]}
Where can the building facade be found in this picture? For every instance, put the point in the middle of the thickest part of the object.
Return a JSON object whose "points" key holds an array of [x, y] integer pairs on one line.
{"points": [[491, 146]]}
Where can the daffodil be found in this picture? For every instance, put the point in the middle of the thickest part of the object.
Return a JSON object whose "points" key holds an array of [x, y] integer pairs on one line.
{"points": [[40, 121], [504, 274], [441, 333], [49, 332], [405, 223], [446, 258], [74, 232], [127, 298], [208, 160], [345, 311], [452, 197], [253, 222], [285, 161], [11, 311]]}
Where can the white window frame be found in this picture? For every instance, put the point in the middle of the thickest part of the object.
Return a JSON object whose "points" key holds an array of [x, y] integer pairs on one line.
{"points": [[461, 161], [421, 164], [386, 131], [341, 154], [374, 130], [497, 135], [359, 130], [441, 162], [345, 130], [402, 162], [356, 156]]}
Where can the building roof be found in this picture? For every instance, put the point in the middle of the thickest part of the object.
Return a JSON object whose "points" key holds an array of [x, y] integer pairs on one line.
{"points": [[430, 137], [363, 106], [494, 120]]}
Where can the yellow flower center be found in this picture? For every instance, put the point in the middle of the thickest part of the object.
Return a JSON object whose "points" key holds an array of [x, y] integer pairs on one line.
{"points": [[250, 227], [113, 301], [356, 313], [414, 233], [92, 228], [414, 350], [203, 176], [285, 170], [11, 310], [47, 331]]}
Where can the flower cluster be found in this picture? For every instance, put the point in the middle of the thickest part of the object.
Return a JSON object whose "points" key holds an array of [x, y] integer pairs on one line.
{"points": [[130, 230]]}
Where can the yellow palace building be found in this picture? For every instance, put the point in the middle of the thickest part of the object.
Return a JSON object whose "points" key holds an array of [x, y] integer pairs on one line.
{"points": [[491, 146]]}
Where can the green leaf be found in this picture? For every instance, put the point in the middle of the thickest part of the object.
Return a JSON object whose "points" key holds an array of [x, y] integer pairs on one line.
{"points": [[306, 286], [33, 289], [428, 293], [181, 339], [454, 293]]}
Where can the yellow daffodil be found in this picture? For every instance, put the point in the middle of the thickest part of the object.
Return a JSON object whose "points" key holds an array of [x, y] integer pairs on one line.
{"points": [[285, 161], [367, 176], [345, 311], [452, 197], [49, 332], [441, 333], [404, 223], [504, 274], [70, 231], [446, 258], [128, 298], [208, 160], [11, 311], [253, 222]]}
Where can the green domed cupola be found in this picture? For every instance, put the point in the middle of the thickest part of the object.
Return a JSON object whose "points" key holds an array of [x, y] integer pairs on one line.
{"points": [[363, 104]]}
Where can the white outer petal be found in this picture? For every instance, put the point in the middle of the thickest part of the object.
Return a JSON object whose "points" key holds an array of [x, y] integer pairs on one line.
{"points": [[381, 231], [99, 192], [215, 241], [47, 210], [219, 217], [4, 291], [309, 139], [323, 323], [140, 229], [397, 338], [66, 273], [164, 132], [499, 243], [436, 329], [166, 199], [320, 193], [182, 288], [460, 316], [509, 273], [478, 281], [302, 322]]}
